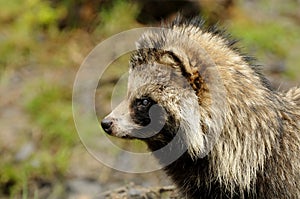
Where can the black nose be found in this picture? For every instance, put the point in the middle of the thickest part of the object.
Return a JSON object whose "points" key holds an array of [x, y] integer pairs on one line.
{"points": [[107, 125]]}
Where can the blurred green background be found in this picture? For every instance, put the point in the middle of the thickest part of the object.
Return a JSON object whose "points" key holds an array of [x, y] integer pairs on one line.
{"points": [[42, 44]]}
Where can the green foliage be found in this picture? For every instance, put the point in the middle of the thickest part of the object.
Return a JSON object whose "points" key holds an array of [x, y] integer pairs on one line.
{"points": [[264, 37], [267, 37], [121, 16], [23, 26]]}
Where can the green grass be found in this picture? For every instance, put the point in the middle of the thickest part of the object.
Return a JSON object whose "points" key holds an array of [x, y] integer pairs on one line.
{"points": [[277, 36], [24, 24], [121, 16], [51, 109], [264, 37]]}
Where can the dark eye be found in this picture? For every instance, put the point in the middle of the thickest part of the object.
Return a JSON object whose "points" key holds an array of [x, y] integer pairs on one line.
{"points": [[145, 102], [140, 110]]}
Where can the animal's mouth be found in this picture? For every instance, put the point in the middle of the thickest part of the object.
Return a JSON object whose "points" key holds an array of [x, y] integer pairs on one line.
{"points": [[136, 134], [128, 137], [119, 135], [109, 128]]}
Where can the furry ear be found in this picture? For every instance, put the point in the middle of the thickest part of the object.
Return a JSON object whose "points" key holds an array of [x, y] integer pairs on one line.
{"points": [[171, 58], [177, 59], [186, 64]]}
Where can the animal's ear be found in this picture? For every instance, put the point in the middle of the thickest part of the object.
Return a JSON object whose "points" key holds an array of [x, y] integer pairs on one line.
{"points": [[186, 64], [174, 58], [170, 58], [181, 60]]}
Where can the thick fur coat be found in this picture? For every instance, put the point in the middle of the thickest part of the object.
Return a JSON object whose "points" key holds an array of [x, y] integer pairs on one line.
{"points": [[190, 86]]}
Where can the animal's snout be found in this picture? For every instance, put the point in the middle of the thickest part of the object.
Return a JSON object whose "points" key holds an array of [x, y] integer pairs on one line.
{"points": [[107, 124]]}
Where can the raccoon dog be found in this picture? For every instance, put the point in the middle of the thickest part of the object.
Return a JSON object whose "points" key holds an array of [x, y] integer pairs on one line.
{"points": [[209, 115]]}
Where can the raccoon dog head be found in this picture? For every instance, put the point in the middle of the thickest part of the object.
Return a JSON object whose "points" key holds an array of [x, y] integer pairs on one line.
{"points": [[167, 93]]}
